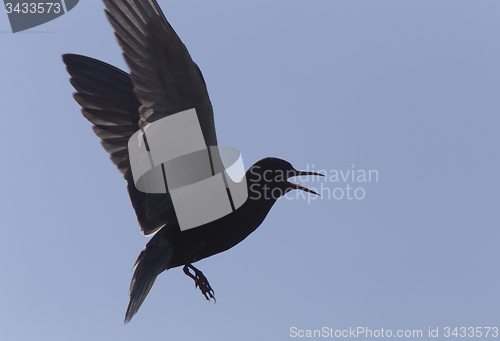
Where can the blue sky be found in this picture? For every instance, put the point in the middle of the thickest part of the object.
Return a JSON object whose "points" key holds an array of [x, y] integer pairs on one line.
{"points": [[407, 88]]}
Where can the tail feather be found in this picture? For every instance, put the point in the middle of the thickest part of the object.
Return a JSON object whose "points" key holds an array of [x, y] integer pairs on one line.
{"points": [[151, 262]]}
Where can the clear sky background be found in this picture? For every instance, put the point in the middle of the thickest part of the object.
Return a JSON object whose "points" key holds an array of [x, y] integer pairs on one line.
{"points": [[407, 88]]}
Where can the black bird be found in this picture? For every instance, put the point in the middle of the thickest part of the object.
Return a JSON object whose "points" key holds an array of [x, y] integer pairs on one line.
{"points": [[163, 81]]}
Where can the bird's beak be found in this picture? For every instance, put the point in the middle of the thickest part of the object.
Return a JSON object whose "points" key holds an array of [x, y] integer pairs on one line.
{"points": [[303, 173]]}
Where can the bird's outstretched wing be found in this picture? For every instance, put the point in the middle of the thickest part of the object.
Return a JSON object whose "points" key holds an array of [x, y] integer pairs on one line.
{"points": [[164, 80], [106, 96]]}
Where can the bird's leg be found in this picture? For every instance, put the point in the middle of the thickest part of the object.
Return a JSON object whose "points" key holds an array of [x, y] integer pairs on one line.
{"points": [[200, 281]]}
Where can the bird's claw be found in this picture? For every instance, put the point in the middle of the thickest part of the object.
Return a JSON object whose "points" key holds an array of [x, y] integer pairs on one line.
{"points": [[205, 288], [200, 281]]}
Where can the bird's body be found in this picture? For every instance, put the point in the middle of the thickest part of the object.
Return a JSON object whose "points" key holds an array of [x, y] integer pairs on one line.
{"points": [[164, 81], [222, 234]]}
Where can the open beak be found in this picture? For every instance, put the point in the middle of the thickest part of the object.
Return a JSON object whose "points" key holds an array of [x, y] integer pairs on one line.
{"points": [[302, 173]]}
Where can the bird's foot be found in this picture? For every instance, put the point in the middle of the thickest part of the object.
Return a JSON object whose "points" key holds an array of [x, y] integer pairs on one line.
{"points": [[200, 281]]}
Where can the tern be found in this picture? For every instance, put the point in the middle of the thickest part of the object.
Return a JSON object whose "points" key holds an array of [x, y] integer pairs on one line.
{"points": [[163, 81]]}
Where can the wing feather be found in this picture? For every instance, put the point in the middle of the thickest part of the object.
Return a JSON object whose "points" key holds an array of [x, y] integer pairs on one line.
{"points": [[165, 78], [163, 81], [108, 101]]}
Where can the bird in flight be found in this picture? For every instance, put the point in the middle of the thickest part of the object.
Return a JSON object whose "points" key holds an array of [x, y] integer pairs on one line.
{"points": [[163, 81]]}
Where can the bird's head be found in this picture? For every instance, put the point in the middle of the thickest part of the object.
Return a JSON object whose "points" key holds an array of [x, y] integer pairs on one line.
{"points": [[268, 178]]}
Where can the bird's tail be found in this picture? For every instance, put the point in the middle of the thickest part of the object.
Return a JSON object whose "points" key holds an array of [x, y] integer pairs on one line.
{"points": [[151, 262]]}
